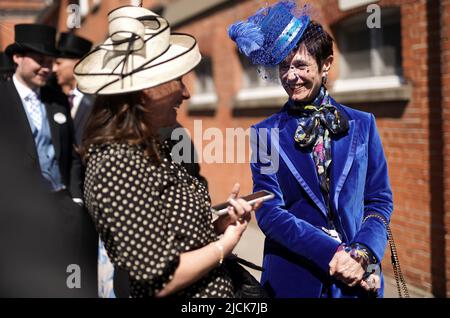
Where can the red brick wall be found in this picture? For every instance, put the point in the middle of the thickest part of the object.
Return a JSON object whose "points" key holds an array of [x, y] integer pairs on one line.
{"points": [[445, 84], [12, 13], [10, 5]]}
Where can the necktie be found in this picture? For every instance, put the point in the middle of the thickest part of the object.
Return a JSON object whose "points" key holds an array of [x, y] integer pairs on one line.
{"points": [[71, 97], [33, 105]]}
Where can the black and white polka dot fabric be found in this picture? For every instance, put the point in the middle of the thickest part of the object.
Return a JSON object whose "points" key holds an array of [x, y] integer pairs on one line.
{"points": [[149, 213]]}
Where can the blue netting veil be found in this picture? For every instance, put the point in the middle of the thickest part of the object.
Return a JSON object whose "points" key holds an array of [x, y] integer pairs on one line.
{"points": [[268, 36]]}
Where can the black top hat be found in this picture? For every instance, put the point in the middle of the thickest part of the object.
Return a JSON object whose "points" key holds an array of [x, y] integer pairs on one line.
{"points": [[6, 64], [73, 46], [33, 37]]}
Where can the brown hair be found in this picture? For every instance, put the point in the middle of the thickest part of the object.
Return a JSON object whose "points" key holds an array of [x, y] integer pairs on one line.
{"points": [[120, 119], [317, 41]]}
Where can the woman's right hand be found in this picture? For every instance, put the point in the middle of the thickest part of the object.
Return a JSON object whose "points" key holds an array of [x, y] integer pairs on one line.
{"points": [[239, 214], [232, 235], [345, 268], [238, 210]]}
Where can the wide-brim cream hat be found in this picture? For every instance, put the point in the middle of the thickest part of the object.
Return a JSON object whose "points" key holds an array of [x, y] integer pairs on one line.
{"points": [[139, 53]]}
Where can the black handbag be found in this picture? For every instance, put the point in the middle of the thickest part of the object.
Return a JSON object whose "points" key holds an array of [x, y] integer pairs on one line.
{"points": [[245, 285]]}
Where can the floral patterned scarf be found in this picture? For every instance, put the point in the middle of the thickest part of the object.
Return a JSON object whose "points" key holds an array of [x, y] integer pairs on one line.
{"points": [[317, 122]]}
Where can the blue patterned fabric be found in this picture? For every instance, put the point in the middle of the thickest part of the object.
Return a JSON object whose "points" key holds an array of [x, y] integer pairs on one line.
{"points": [[33, 106], [317, 123], [268, 36], [105, 274], [297, 251], [37, 116]]}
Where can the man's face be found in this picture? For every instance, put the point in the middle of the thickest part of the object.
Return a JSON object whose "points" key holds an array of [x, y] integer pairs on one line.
{"points": [[300, 75], [33, 69], [63, 68]]}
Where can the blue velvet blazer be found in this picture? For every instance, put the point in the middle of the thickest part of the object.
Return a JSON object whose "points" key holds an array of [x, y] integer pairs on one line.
{"points": [[296, 250]]}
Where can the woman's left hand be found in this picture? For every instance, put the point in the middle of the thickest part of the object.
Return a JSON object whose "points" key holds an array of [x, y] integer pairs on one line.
{"points": [[372, 283]]}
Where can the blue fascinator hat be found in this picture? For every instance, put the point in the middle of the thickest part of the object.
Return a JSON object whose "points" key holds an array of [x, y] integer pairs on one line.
{"points": [[268, 36]]}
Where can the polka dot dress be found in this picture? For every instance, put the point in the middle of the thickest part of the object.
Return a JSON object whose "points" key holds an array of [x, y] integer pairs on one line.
{"points": [[149, 213]]}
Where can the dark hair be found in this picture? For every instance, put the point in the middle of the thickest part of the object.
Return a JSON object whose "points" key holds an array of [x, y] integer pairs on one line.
{"points": [[120, 119], [317, 41]]}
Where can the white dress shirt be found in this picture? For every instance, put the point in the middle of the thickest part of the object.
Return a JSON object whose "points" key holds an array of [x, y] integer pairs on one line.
{"points": [[22, 89], [77, 97]]}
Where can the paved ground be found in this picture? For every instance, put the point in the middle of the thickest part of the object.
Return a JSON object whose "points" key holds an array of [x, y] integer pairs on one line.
{"points": [[251, 248]]}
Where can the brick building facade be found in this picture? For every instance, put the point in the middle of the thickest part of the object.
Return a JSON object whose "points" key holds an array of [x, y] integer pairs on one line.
{"points": [[406, 85]]}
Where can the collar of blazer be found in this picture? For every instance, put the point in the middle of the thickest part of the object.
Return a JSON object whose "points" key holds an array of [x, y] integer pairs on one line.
{"points": [[301, 165], [83, 110]]}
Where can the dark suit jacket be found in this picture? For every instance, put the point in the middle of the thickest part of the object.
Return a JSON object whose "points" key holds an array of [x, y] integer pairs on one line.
{"points": [[14, 125], [81, 117], [41, 233]]}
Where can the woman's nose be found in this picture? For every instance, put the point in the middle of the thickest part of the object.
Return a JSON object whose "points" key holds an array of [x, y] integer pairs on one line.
{"points": [[292, 76], [185, 92]]}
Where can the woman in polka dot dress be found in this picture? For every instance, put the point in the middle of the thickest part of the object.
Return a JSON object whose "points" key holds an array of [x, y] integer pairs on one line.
{"points": [[154, 218]]}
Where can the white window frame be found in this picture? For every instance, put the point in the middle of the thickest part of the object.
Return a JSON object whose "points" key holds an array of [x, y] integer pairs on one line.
{"points": [[345, 5], [368, 83], [261, 93], [375, 82], [84, 7], [264, 94], [204, 100]]}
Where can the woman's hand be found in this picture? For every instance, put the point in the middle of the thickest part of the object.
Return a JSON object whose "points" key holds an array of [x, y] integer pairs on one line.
{"points": [[372, 283], [232, 235], [239, 209], [346, 269]]}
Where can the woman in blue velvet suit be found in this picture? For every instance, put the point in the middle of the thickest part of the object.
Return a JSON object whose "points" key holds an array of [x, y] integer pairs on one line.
{"points": [[325, 228]]}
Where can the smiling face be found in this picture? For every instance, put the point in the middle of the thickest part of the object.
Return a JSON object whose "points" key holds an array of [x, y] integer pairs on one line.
{"points": [[63, 69], [163, 102], [33, 69], [301, 76]]}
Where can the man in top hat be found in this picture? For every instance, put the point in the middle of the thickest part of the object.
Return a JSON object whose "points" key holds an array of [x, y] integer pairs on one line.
{"points": [[71, 48], [7, 67], [47, 250]]}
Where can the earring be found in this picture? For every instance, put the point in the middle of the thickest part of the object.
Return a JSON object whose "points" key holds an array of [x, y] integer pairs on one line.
{"points": [[324, 79]]}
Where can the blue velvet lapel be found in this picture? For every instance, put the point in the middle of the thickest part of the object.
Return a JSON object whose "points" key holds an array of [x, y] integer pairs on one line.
{"points": [[299, 162], [343, 151]]}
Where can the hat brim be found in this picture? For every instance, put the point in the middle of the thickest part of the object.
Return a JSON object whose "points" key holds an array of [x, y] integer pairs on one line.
{"points": [[180, 58], [70, 55], [23, 48]]}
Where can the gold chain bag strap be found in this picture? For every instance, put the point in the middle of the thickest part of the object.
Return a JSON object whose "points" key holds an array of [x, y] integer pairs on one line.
{"points": [[399, 279]]}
